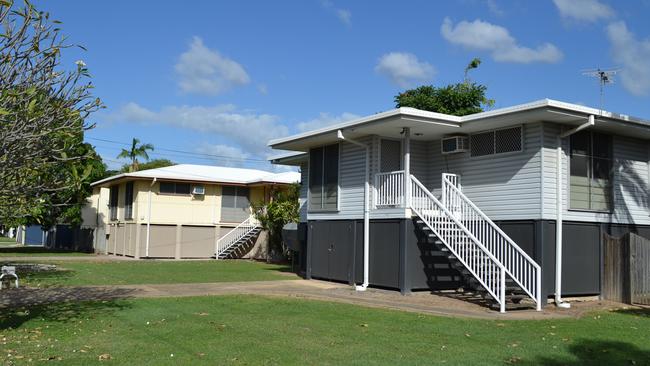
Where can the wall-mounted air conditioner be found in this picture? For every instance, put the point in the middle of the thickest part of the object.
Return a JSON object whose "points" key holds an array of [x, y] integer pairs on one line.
{"points": [[198, 190], [455, 144]]}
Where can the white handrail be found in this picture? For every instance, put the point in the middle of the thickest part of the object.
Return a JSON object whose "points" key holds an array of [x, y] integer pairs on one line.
{"points": [[234, 235], [460, 241], [389, 189], [518, 264]]}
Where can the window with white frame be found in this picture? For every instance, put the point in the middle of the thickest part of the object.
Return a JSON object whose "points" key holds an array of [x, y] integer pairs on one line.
{"points": [[496, 141], [590, 171], [324, 178]]}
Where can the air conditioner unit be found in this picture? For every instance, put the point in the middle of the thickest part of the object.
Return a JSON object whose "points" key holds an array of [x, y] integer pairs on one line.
{"points": [[454, 144], [199, 190]]}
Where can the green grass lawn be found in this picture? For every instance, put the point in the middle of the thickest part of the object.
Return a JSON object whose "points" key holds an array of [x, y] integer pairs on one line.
{"points": [[4, 241], [251, 330], [27, 251], [75, 273]]}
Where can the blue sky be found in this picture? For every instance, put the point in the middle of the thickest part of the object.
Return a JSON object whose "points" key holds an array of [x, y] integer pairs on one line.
{"points": [[221, 78]]}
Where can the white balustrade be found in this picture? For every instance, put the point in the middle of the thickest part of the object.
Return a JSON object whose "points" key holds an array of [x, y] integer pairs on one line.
{"points": [[460, 241], [519, 265], [389, 189], [235, 235]]}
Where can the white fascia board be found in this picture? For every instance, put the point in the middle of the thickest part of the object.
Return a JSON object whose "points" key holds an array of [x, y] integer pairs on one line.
{"points": [[405, 112]]}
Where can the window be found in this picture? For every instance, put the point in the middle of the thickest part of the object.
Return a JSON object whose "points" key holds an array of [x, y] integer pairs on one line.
{"points": [[128, 201], [496, 142], [112, 202], [590, 171], [174, 188], [324, 178], [235, 203]]}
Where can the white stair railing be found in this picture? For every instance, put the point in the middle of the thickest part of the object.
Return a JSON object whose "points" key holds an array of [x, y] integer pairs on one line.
{"points": [[389, 189], [235, 235], [519, 265], [460, 241]]}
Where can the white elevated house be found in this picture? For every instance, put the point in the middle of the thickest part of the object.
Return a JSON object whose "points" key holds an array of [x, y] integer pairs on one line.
{"points": [[510, 203]]}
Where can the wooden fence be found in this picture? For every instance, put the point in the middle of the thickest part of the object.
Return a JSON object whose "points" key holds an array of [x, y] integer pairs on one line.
{"points": [[626, 276]]}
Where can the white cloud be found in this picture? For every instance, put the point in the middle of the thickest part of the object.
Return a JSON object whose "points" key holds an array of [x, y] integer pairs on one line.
{"points": [[494, 7], [583, 10], [404, 69], [484, 36], [345, 16], [224, 155], [204, 71], [634, 57], [324, 120], [262, 88], [248, 130]]}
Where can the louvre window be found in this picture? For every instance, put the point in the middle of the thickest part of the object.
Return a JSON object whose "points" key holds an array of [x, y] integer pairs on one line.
{"points": [[174, 188], [590, 171], [324, 177], [128, 201], [235, 203], [113, 201], [496, 142]]}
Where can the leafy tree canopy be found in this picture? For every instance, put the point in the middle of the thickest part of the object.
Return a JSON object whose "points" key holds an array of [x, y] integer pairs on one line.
{"points": [[281, 210], [458, 99], [45, 167], [151, 164]]}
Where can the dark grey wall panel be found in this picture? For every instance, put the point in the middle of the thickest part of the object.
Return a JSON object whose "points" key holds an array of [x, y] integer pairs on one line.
{"points": [[384, 253], [331, 249], [581, 245], [319, 248], [522, 232]]}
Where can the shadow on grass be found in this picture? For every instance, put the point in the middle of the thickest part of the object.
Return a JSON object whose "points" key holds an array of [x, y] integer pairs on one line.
{"points": [[597, 352], [35, 250], [14, 317], [642, 312]]}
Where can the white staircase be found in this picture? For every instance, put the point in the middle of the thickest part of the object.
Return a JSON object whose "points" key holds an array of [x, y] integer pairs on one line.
{"points": [[494, 261], [236, 238]]}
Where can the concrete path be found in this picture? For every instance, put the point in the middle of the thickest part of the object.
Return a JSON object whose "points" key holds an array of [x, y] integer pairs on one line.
{"points": [[421, 302]]}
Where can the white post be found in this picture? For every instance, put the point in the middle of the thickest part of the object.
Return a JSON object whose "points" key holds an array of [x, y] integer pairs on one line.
{"points": [[407, 167], [146, 246], [558, 228]]}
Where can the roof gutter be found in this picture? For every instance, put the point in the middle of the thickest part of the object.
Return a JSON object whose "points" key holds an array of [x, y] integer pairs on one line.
{"points": [[559, 208], [366, 211]]}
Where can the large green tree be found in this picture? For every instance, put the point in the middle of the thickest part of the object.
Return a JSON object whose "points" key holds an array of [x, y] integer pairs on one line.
{"points": [[280, 210], [458, 99], [137, 150], [151, 164], [44, 109]]}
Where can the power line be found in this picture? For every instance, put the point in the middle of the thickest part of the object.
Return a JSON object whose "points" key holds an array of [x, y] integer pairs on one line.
{"points": [[194, 154]]}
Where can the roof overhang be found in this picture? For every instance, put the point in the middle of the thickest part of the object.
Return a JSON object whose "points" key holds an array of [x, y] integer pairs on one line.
{"points": [[290, 158], [427, 126]]}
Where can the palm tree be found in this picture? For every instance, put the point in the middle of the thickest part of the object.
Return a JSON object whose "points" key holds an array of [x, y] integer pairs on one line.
{"points": [[135, 152]]}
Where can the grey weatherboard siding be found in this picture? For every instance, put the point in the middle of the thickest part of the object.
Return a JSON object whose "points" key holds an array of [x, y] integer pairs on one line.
{"points": [[509, 186], [630, 180]]}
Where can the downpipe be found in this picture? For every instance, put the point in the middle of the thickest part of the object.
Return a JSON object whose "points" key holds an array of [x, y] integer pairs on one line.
{"points": [[146, 248], [559, 208], [366, 212]]}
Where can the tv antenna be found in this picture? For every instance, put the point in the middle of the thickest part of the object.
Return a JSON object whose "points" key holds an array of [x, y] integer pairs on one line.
{"points": [[605, 76]]}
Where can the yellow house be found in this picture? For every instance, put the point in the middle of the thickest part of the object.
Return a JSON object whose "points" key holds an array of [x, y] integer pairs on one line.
{"points": [[181, 211]]}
